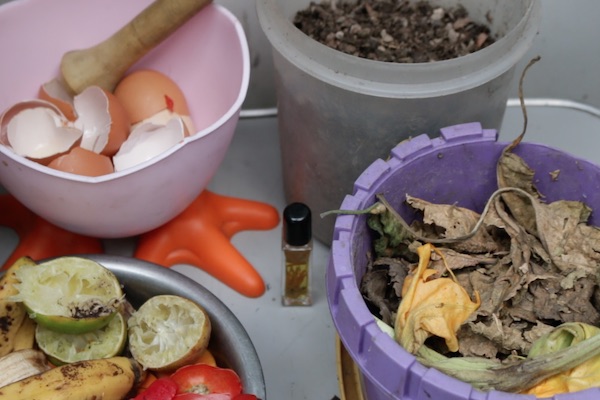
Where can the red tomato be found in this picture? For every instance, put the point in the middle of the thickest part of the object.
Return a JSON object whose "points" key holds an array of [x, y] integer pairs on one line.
{"points": [[194, 396], [214, 396], [206, 379], [160, 389]]}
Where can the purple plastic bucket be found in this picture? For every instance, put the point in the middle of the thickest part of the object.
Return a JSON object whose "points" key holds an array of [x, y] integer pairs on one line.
{"points": [[458, 167]]}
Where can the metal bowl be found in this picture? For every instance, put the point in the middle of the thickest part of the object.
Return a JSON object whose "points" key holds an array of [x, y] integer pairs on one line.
{"points": [[229, 343]]}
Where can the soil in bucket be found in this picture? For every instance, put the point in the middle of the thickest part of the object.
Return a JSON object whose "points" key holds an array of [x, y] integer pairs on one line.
{"points": [[394, 31]]}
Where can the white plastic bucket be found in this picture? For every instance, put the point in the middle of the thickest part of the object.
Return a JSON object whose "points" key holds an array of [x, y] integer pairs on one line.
{"points": [[338, 112]]}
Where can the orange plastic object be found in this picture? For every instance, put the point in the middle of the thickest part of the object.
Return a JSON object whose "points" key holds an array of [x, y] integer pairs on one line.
{"points": [[38, 238], [201, 235]]}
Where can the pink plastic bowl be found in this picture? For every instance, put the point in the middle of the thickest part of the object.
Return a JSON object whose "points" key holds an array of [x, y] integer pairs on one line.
{"points": [[208, 58]]}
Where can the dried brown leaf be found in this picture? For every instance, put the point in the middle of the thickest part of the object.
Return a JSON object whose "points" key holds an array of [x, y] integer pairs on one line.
{"points": [[504, 336], [456, 260], [381, 286], [571, 243], [524, 245], [456, 221], [512, 171], [475, 345]]}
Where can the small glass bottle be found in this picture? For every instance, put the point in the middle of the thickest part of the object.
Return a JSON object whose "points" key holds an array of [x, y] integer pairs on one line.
{"points": [[297, 255]]}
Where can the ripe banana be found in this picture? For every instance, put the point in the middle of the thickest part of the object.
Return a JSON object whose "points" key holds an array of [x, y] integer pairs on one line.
{"points": [[9, 279], [12, 314], [22, 364], [25, 336], [109, 379]]}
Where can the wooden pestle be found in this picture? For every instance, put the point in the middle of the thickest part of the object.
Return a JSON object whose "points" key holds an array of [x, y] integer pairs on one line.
{"points": [[105, 63]]}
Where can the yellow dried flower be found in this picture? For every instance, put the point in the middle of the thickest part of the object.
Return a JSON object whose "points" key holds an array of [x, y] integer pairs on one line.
{"points": [[431, 307]]}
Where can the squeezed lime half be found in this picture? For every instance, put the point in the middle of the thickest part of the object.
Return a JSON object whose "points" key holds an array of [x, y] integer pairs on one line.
{"points": [[167, 332], [63, 348], [69, 294]]}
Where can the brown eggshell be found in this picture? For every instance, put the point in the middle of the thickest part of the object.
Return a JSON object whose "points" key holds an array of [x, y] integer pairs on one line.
{"points": [[121, 125], [15, 109], [144, 93], [56, 94], [148, 140], [164, 116], [83, 162], [101, 118], [27, 137]]}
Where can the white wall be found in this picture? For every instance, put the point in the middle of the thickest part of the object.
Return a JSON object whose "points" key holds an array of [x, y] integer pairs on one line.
{"points": [[261, 91], [569, 43]]}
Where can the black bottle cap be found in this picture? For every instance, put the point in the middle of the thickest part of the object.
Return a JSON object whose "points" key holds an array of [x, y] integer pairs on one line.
{"points": [[297, 224]]}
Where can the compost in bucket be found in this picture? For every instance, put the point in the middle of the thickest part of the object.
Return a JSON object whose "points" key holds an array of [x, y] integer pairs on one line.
{"points": [[391, 31]]}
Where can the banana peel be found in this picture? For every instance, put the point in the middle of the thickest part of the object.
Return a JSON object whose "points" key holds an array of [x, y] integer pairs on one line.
{"points": [[431, 307], [12, 314], [110, 378], [9, 279], [25, 336], [21, 364]]}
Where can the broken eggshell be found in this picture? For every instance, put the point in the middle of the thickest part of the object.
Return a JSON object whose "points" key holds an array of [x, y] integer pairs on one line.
{"points": [[146, 94], [54, 92], [147, 141], [83, 162], [102, 119], [164, 116], [38, 130]]}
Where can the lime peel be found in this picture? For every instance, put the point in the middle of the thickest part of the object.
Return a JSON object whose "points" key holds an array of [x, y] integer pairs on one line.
{"points": [[62, 348], [69, 294], [168, 331]]}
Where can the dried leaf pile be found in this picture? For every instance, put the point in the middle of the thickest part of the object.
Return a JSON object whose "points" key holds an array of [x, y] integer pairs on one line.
{"points": [[535, 265]]}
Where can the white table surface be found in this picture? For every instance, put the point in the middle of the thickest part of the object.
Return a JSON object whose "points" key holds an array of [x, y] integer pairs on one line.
{"points": [[297, 345]]}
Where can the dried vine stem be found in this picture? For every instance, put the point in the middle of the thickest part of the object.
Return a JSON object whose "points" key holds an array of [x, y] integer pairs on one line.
{"points": [[457, 239], [383, 205], [518, 140]]}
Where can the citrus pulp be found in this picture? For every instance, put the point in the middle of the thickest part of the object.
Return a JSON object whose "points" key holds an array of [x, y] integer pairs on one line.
{"points": [[168, 331], [69, 294]]}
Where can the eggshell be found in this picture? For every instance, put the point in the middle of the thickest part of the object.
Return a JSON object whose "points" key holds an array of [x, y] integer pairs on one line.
{"points": [[102, 119], [83, 162], [145, 93], [15, 109], [147, 141], [121, 125], [54, 92], [37, 130], [164, 116]]}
